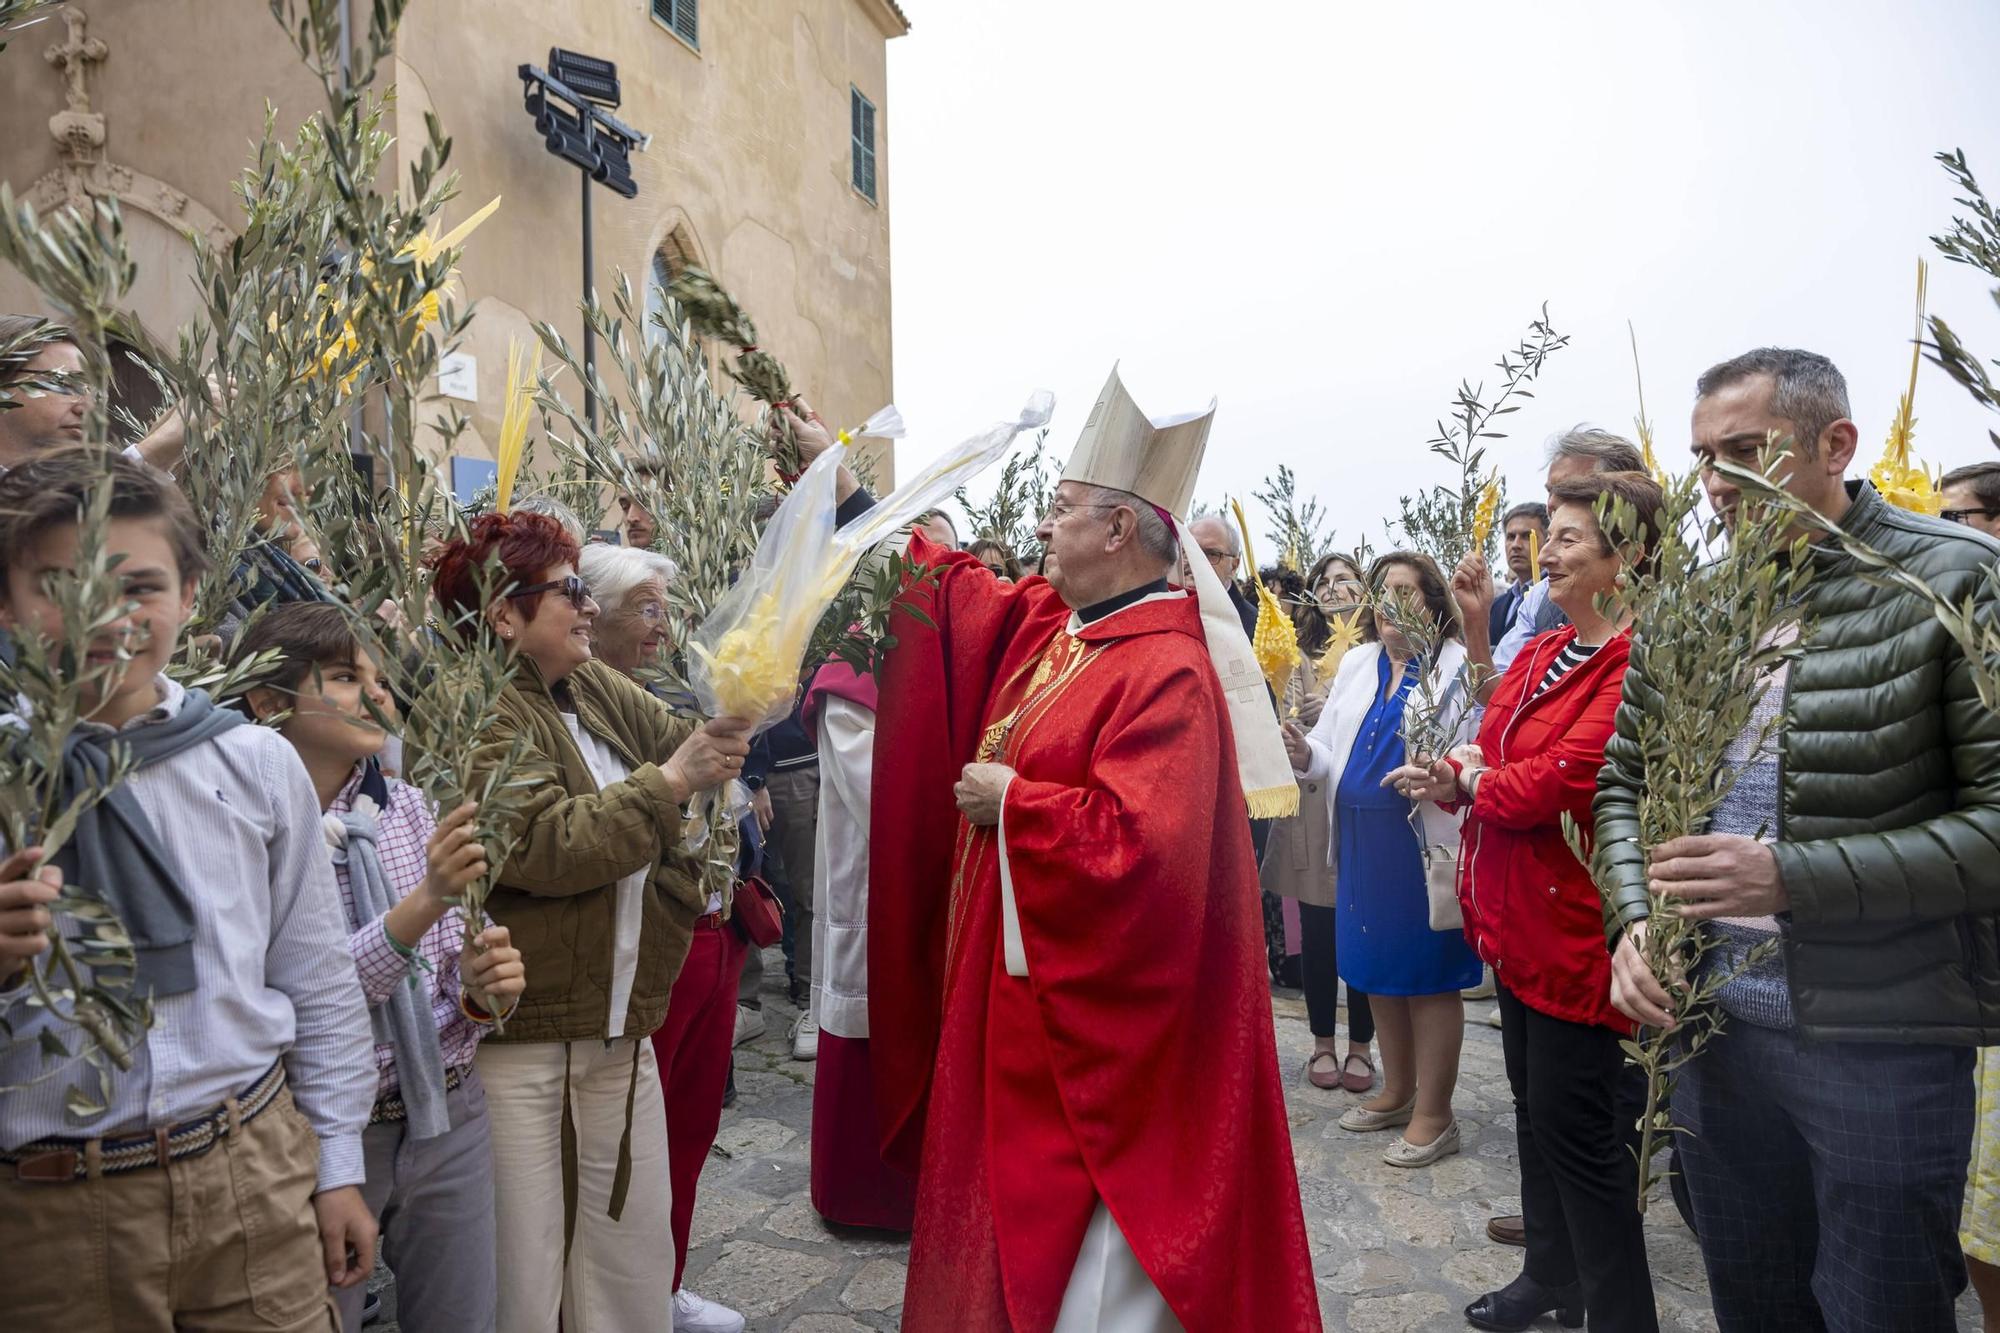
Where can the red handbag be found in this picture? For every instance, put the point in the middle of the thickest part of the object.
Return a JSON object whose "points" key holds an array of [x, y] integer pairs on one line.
{"points": [[756, 913]]}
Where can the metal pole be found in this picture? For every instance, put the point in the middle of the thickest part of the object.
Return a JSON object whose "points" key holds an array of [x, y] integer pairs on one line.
{"points": [[589, 335]]}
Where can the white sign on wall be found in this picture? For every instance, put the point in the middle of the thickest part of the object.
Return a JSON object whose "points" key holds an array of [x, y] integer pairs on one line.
{"points": [[458, 376]]}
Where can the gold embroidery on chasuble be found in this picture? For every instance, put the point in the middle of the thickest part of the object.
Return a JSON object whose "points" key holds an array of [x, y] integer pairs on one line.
{"points": [[1055, 670]]}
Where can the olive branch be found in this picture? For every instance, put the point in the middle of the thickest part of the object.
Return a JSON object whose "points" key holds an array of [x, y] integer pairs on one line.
{"points": [[1710, 633]]}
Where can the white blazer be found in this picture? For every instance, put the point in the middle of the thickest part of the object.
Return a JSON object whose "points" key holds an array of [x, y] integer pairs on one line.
{"points": [[1352, 694]]}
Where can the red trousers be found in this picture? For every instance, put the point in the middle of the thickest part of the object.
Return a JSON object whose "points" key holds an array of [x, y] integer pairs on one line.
{"points": [[693, 1049]]}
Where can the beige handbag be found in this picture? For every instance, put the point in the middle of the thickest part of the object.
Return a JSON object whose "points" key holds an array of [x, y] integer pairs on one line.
{"points": [[1441, 887]]}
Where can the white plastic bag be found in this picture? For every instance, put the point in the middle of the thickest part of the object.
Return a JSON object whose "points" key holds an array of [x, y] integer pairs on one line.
{"points": [[746, 659]]}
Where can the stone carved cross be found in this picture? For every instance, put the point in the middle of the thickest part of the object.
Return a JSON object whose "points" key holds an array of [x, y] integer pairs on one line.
{"points": [[75, 57]]}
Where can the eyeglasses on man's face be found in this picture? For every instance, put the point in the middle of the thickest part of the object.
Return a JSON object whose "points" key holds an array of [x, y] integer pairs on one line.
{"points": [[1061, 509], [1966, 515], [573, 588]]}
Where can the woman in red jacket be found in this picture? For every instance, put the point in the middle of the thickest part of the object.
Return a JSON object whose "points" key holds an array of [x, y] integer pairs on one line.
{"points": [[1532, 913]]}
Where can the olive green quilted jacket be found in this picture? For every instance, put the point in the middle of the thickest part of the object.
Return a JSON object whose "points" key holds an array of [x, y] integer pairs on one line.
{"points": [[1889, 819]]}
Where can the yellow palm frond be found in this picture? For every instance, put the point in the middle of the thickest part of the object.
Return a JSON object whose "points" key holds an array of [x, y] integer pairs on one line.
{"points": [[1902, 480], [429, 308], [1641, 423], [1346, 627], [523, 366], [1275, 642], [1488, 510]]}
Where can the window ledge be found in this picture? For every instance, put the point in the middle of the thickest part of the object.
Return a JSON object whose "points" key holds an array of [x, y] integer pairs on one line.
{"points": [[671, 31]]}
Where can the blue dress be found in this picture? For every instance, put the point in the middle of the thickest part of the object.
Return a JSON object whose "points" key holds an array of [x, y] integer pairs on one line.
{"points": [[1384, 943]]}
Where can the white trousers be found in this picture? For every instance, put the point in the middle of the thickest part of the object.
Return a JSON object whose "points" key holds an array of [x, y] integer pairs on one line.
{"points": [[615, 1280], [1108, 1291]]}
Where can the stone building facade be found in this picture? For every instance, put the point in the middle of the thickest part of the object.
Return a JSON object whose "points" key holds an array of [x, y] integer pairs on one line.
{"points": [[759, 168]]}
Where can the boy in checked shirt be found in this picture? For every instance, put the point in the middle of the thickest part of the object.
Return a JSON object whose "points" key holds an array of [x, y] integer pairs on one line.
{"points": [[428, 1144]]}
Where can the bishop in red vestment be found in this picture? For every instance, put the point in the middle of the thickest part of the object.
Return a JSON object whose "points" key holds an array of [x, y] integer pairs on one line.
{"points": [[1071, 1021]]}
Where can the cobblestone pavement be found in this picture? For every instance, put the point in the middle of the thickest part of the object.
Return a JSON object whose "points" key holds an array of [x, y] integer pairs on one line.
{"points": [[1394, 1251]]}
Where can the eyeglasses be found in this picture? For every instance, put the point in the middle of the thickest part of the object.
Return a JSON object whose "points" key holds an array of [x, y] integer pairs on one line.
{"points": [[1965, 515], [1058, 511], [652, 613], [572, 587], [1217, 557]]}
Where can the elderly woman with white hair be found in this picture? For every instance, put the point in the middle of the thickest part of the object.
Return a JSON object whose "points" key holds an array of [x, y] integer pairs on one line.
{"points": [[693, 1045], [631, 586]]}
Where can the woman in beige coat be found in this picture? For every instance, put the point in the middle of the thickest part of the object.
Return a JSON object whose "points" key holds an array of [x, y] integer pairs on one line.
{"points": [[1296, 861]]}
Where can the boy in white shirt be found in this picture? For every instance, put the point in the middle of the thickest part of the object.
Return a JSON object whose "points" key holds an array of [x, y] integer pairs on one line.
{"points": [[219, 1189]]}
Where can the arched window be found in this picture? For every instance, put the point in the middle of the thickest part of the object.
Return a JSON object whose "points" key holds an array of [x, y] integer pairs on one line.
{"points": [[674, 255]]}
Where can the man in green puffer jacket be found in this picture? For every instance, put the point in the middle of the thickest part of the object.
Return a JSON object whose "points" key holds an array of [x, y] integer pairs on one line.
{"points": [[1830, 1122]]}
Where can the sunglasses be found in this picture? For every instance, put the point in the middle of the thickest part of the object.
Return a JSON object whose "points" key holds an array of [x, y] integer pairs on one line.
{"points": [[573, 587], [1965, 515]]}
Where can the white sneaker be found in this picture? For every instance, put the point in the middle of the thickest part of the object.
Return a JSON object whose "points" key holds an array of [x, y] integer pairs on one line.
{"points": [[749, 1024], [805, 1037], [1482, 991], [692, 1314]]}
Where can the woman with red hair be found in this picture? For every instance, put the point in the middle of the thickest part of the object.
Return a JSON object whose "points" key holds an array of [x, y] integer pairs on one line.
{"points": [[601, 899]]}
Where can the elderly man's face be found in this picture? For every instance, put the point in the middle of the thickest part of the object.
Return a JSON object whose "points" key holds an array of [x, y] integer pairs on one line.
{"points": [[1213, 536]]}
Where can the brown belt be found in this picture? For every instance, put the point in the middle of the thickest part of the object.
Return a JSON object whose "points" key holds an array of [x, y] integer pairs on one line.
{"points": [[62, 1161], [391, 1109]]}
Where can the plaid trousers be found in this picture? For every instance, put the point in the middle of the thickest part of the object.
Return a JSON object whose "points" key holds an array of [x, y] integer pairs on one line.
{"points": [[1826, 1179]]}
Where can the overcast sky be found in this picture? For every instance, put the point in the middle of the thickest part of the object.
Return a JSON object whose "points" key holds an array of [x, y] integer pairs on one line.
{"points": [[1326, 214]]}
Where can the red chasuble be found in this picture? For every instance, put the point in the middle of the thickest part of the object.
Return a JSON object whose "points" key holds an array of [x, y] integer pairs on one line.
{"points": [[1134, 1062]]}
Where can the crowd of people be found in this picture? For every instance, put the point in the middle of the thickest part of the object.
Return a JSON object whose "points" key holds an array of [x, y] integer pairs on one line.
{"points": [[1032, 883]]}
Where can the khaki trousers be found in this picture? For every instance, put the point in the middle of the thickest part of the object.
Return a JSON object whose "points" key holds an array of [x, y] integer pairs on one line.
{"points": [[226, 1242], [618, 1277]]}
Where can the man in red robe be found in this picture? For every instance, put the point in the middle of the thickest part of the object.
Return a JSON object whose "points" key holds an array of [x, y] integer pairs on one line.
{"points": [[1070, 1017]]}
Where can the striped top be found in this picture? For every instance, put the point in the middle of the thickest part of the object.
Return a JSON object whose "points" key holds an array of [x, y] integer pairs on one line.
{"points": [[1572, 656]]}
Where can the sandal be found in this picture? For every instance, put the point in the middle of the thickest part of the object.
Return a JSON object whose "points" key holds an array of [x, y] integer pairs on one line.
{"points": [[1362, 1081], [1332, 1078]]}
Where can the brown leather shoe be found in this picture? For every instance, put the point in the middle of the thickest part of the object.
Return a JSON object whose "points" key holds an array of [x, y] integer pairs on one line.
{"points": [[1507, 1230]]}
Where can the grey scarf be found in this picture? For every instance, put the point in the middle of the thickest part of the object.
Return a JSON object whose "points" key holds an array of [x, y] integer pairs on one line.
{"points": [[405, 1021], [116, 853]]}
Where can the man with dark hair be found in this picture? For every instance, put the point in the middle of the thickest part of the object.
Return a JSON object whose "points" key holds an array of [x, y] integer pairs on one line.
{"points": [[1829, 1122], [1972, 497], [1522, 532]]}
